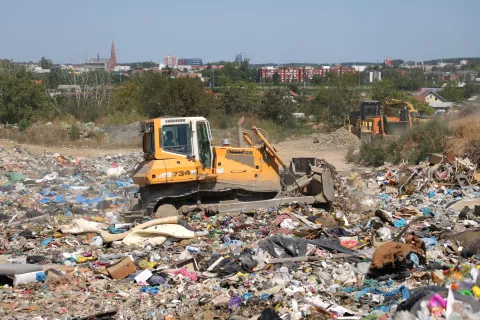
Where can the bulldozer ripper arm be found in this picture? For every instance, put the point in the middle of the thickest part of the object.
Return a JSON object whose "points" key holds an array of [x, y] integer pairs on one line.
{"points": [[269, 146], [247, 139]]}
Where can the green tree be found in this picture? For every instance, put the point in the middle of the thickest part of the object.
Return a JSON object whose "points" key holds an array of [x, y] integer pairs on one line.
{"points": [[410, 79], [318, 79], [277, 105], [470, 89], [294, 88], [175, 97], [336, 101], [397, 62], [452, 92], [449, 68], [127, 98], [385, 88], [276, 78], [238, 97], [22, 100], [143, 65], [45, 63], [186, 97]]}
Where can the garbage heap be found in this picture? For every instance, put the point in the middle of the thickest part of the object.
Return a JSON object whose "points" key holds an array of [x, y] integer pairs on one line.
{"points": [[372, 254]]}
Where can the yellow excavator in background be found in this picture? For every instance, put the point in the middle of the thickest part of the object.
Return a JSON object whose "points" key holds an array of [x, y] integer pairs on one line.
{"points": [[183, 171], [393, 118], [416, 118]]}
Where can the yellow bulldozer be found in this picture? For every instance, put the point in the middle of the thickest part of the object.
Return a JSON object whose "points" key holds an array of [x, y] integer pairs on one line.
{"points": [[182, 171]]}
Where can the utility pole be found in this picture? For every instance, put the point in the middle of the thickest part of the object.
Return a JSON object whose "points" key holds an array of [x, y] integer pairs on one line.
{"points": [[213, 85]]}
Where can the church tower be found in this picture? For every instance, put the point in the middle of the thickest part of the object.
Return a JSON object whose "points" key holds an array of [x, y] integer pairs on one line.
{"points": [[113, 57]]}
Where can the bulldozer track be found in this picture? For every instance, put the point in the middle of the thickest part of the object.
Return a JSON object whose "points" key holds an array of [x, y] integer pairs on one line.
{"points": [[175, 200]]}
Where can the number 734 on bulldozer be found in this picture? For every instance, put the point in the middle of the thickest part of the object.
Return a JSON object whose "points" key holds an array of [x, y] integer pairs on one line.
{"points": [[183, 171]]}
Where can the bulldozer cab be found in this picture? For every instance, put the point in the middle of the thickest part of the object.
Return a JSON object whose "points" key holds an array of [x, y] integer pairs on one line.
{"points": [[188, 138], [369, 109]]}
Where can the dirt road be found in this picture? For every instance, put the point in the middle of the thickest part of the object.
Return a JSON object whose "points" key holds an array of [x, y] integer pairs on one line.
{"points": [[71, 152], [304, 147]]}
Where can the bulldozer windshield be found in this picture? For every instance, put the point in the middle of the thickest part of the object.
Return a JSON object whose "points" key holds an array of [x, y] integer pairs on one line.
{"points": [[369, 109], [177, 138]]}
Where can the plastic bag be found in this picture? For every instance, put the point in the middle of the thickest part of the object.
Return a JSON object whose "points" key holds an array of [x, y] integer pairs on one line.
{"points": [[384, 233]]}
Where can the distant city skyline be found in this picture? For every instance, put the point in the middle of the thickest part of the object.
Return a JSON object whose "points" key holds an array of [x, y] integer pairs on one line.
{"points": [[267, 31]]}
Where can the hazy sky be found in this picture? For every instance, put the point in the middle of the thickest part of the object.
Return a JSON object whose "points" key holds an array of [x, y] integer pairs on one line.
{"points": [[277, 31]]}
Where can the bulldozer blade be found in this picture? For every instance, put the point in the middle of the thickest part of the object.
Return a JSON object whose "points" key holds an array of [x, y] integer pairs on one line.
{"points": [[299, 183], [326, 184]]}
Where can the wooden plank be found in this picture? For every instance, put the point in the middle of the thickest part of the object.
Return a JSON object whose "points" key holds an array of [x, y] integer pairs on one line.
{"points": [[311, 258], [305, 221]]}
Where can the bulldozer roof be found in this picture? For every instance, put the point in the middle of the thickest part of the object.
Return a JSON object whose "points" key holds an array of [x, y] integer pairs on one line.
{"points": [[169, 119]]}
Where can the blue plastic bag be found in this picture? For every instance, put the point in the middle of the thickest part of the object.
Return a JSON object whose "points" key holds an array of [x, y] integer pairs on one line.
{"points": [[400, 223], [415, 259], [430, 242], [41, 277]]}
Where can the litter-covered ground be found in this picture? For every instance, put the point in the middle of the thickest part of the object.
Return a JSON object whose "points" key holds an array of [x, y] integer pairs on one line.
{"points": [[399, 243]]}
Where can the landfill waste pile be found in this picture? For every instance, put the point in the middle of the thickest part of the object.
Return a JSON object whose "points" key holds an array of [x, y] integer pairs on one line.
{"points": [[371, 254], [340, 137]]}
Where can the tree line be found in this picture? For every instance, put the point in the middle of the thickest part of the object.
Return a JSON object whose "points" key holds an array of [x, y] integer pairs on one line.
{"points": [[95, 95], [102, 96]]}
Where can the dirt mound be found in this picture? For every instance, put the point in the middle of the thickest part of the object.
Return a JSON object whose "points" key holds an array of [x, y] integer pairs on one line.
{"points": [[124, 134], [340, 137]]}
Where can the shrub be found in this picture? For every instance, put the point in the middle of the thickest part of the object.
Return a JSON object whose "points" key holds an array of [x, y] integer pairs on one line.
{"points": [[413, 146], [120, 118], [422, 140], [74, 132], [373, 152]]}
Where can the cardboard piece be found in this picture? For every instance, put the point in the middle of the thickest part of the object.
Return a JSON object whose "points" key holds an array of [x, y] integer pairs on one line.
{"points": [[435, 158], [122, 269], [190, 264]]}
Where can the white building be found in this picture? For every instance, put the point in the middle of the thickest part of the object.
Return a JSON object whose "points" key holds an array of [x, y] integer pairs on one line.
{"points": [[170, 60], [122, 68], [40, 70], [375, 75], [359, 68]]}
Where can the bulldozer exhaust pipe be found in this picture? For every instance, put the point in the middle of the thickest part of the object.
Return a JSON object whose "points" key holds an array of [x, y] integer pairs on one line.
{"points": [[240, 131]]}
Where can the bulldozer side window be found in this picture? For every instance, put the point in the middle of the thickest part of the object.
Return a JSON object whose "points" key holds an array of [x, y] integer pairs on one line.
{"points": [[204, 151], [176, 138]]}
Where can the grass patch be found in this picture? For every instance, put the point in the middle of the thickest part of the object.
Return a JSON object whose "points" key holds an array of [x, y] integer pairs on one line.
{"points": [[57, 135], [122, 118], [465, 131]]}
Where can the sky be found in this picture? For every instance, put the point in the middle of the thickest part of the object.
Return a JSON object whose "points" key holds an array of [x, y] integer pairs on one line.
{"points": [[276, 31]]}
